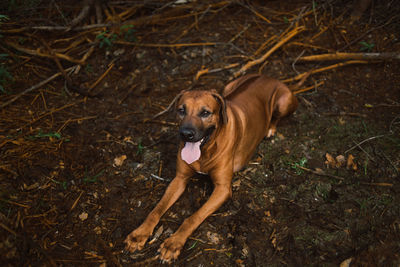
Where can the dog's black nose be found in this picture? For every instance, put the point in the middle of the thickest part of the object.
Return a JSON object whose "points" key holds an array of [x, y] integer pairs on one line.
{"points": [[186, 133]]}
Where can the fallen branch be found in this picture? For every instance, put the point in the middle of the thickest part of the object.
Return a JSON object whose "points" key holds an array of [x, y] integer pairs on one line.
{"points": [[52, 111], [58, 64], [256, 13], [30, 89], [362, 142], [84, 12], [101, 77], [168, 108], [193, 25], [321, 173], [342, 64], [205, 71], [354, 56], [165, 45], [56, 28], [308, 88], [378, 184], [5, 227], [37, 52], [286, 38], [158, 177], [76, 201]]}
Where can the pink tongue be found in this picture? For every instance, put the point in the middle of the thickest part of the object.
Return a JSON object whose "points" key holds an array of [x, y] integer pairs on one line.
{"points": [[191, 152]]}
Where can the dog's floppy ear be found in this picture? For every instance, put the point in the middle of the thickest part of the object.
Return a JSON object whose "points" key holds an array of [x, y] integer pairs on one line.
{"points": [[222, 104]]}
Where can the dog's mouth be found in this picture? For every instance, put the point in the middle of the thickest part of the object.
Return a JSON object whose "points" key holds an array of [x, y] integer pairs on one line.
{"points": [[191, 152]]}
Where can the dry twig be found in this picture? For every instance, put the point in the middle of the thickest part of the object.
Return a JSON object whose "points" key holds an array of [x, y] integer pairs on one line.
{"points": [[286, 38], [84, 12], [353, 56], [341, 64], [30, 89]]}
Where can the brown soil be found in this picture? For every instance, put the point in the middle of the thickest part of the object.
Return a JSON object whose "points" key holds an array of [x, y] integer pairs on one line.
{"points": [[66, 201]]}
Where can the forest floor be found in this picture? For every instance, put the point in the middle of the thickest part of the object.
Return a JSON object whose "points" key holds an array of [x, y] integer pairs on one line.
{"points": [[81, 154]]}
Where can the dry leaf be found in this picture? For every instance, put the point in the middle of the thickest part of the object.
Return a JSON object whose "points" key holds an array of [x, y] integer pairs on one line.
{"points": [[330, 161], [340, 161], [319, 171], [119, 160], [83, 216], [128, 139], [346, 263], [97, 230], [272, 237], [239, 263], [236, 183], [350, 163], [30, 187], [213, 237]]}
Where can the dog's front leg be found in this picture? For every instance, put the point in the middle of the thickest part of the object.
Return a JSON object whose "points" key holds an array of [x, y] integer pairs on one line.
{"points": [[172, 246], [137, 238]]}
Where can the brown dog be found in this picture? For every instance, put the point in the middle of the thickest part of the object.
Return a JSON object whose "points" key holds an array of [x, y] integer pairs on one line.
{"points": [[219, 136]]}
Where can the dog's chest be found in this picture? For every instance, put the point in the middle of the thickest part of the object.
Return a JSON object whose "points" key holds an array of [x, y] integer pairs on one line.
{"points": [[196, 166]]}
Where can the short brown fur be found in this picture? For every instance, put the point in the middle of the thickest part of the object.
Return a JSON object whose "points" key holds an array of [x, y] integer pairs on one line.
{"points": [[249, 111]]}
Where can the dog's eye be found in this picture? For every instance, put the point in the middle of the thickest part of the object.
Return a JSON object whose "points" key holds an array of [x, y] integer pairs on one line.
{"points": [[181, 111], [205, 114]]}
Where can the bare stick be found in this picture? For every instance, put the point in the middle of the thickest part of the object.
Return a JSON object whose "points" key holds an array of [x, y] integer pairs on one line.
{"points": [[57, 28], [99, 15], [362, 142], [41, 54], [33, 88], [168, 108], [308, 88], [356, 56], [101, 77], [84, 12], [5, 227], [286, 38], [321, 173], [341, 64], [165, 45], [205, 71]]}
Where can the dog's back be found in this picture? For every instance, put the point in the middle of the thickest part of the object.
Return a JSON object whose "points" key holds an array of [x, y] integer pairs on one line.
{"points": [[257, 99]]}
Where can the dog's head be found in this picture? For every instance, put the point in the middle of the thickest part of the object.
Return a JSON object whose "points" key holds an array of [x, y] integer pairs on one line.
{"points": [[199, 114]]}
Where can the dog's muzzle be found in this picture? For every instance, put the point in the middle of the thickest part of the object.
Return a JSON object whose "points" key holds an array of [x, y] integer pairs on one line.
{"points": [[187, 134]]}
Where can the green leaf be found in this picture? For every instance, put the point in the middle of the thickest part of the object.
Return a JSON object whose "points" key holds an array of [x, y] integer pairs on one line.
{"points": [[285, 19], [366, 46], [193, 245], [4, 18]]}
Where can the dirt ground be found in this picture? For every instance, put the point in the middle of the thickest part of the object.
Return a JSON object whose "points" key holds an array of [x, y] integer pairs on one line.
{"points": [[83, 163]]}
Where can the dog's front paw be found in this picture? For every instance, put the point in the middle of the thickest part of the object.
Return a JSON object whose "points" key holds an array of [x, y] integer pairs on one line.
{"points": [[171, 248], [136, 239]]}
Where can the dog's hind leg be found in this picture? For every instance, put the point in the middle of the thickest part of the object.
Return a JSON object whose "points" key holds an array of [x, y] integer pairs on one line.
{"points": [[285, 104]]}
